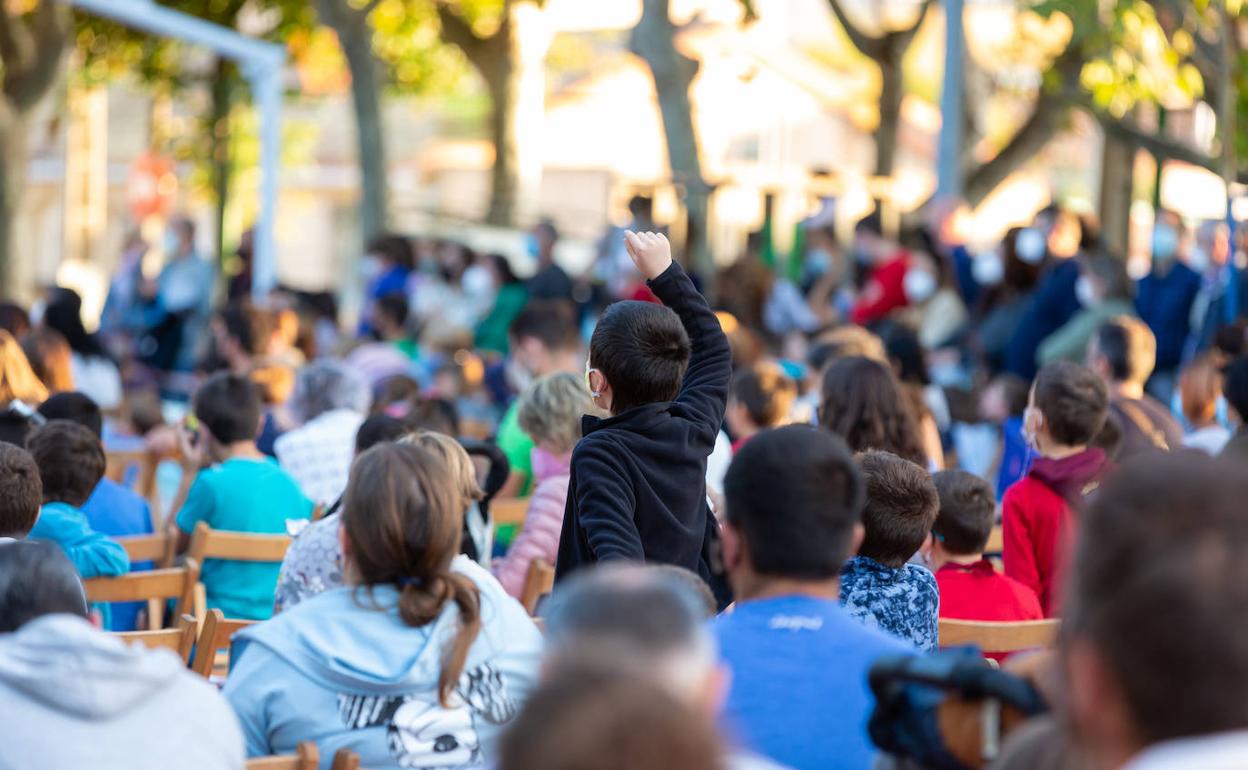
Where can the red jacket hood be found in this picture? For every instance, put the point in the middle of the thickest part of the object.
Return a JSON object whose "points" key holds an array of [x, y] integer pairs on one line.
{"points": [[1072, 477]]}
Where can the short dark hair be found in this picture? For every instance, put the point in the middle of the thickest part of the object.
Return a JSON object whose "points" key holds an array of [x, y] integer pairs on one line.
{"points": [[967, 513], [863, 402], [1129, 347], [766, 392], [71, 461], [21, 491], [75, 407], [252, 327], [393, 248], [550, 322], [642, 350], [228, 405], [37, 579], [901, 507], [1162, 597], [379, 429], [872, 224], [393, 306], [795, 494], [1073, 400], [1235, 386]]}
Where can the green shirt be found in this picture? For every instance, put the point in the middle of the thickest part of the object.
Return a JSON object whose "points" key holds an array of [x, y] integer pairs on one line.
{"points": [[240, 495], [517, 445], [492, 331]]}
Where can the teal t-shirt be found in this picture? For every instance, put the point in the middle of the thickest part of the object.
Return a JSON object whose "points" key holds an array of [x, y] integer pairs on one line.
{"points": [[239, 495], [517, 445]]}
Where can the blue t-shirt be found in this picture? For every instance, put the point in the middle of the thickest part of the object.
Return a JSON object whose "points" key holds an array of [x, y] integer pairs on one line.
{"points": [[117, 511], [902, 601], [799, 691], [241, 495]]}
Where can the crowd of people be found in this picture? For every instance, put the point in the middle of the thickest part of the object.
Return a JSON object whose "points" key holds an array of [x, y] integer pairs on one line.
{"points": [[747, 501]]}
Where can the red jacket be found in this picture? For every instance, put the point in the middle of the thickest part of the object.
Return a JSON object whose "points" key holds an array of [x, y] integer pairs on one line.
{"points": [[883, 293], [978, 592], [1039, 522]]}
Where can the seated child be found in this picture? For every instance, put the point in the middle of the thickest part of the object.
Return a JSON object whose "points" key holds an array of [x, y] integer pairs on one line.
{"points": [[237, 488], [879, 586], [970, 587], [638, 484], [71, 463], [550, 413], [1066, 410], [21, 492], [762, 397], [1200, 388]]}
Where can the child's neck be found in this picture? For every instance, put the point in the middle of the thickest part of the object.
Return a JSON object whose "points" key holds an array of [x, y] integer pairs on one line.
{"points": [[962, 560], [241, 450], [1061, 452]]}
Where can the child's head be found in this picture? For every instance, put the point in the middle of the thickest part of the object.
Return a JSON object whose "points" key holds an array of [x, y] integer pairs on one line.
{"points": [[1200, 385], [550, 411], [462, 473], [390, 315], [863, 403], [71, 461], [541, 337], [1124, 350], [967, 513], [21, 491], [228, 409], [901, 507], [1005, 397], [1068, 407], [762, 397], [379, 429], [637, 355], [74, 407]]}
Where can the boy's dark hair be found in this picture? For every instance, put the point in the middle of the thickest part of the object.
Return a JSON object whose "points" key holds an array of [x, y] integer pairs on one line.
{"points": [[1163, 598], [228, 405], [967, 513], [37, 579], [1235, 386], [71, 461], [435, 415], [1073, 400], [14, 427], [642, 350], [766, 392], [379, 429], [250, 326], [395, 307], [795, 494], [551, 323], [901, 507], [21, 491], [1129, 347], [75, 407]]}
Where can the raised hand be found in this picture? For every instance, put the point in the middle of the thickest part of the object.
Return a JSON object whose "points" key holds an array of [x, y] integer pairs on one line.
{"points": [[650, 252]]}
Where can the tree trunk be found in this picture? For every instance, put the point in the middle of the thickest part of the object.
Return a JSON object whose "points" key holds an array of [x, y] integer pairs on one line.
{"points": [[222, 87], [653, 39], [12, 179], [505, 174], [892, 90], [1117, 184]]}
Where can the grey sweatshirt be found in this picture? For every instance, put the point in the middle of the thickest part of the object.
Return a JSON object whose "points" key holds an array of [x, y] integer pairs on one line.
{"points": [[74, 697]]}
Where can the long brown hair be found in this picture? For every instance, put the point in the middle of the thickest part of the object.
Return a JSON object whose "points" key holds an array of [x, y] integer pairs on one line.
{"points": [[18, 381], [403, 519], [863, 403]]}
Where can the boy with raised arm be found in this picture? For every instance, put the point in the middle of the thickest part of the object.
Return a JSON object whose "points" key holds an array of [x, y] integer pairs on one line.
{"points": [[638, 484]]}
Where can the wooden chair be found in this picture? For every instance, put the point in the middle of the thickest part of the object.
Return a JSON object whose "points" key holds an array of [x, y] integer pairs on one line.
{"points": [[216, 634], [181, 639], [208, 543], [509, 512], [155, 587], [118, 463], [996, 541], [306, 757], [156, 548], [999, 637], [539, 581]]}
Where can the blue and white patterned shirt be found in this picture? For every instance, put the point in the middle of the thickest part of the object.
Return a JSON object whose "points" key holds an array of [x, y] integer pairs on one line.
{"points": [[902, 601]]}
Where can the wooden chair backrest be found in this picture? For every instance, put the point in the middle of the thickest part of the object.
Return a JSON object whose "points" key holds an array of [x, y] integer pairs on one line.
{"points": [[116, 465], [539, 581], [156, 548], [996, 541], [511, 511], [180, 639], [306, 757], [155, 587], [999, 637], [216, 634], [209, 543]]}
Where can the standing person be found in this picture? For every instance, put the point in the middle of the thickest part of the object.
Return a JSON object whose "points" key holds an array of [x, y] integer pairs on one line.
{"points": [[387, 266], [1164, 300], [886, 265], [762, 397], [550, 282], [94, 372], [509, 302], [798, 661], [638, 485], [329, 402], [1200, 387], [1067, 408], [1055, 234], [1123, 352], [1104, 290], [420, 661], [183, 297], [121, 318], [1007, 278]]}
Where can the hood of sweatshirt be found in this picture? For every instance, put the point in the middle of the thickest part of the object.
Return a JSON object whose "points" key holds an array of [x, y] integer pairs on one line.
{"points": [[352, 640], [1072, 477], [65, 662]]}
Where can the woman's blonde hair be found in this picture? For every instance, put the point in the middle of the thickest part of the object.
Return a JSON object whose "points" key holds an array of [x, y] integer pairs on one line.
{"points": [[463, 473], [17, 379], [550, 410]]}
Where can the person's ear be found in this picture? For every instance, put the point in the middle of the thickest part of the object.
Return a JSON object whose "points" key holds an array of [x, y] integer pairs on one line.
{"points": [[927, 547], [734, 547], [1094, 703], [860, 534]]}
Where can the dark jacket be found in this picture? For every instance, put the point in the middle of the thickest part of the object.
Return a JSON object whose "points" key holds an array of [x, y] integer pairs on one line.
{"points": [[1164, 301], [638, 486], [1052, 305]]}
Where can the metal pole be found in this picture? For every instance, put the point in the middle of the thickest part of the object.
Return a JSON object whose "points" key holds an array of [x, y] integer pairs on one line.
{"points": [[266, 87], [949, 165]]}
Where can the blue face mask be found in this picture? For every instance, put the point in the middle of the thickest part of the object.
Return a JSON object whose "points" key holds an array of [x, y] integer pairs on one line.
{"points": [[1165, 243], [531, 245]]}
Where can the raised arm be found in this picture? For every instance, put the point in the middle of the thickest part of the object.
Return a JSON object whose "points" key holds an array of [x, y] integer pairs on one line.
{"points": [[705, 388]]}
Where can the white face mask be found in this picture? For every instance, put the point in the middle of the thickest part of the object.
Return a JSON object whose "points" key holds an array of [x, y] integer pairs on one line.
{"points": [[1165, 242], [370, 267], [988, 269], [1085, 292], [1030, 246], [919, 286]]}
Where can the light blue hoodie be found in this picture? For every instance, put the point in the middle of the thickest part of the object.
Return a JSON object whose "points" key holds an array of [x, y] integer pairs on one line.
{"points": [[343, 670]]}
